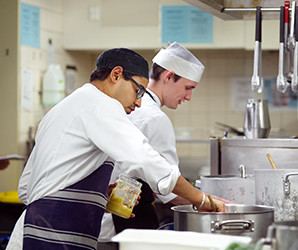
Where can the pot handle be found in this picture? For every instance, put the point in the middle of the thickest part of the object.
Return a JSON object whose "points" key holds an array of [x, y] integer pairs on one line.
{"points": [[269, 240], [287, 183], [264, 241], [247, 225], [251, 110]]}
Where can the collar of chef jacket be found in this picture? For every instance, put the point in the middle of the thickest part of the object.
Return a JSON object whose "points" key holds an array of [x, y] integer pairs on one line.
{"points": [[154, 97]]}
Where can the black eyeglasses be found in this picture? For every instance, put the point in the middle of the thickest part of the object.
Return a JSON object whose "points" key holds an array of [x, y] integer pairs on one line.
{"points": [[141, 90]]}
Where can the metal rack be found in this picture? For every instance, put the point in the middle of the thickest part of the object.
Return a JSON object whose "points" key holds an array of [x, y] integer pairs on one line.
{"points": [[288, 53], [232, 12], [264, 9]]}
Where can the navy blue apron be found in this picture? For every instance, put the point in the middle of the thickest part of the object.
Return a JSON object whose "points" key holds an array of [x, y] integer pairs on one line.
{"points": [[71, 218]]}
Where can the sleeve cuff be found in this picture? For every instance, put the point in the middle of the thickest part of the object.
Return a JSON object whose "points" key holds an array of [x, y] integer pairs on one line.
{"points": [[166, 198], [167, 184]]}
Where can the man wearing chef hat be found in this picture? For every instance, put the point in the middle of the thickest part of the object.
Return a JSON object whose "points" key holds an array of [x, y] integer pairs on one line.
{"points": [[175, 73], [65, 180]]}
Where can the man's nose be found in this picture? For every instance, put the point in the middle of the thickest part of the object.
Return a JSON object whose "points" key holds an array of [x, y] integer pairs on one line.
{"points": [[188, 96], [138, 102]]}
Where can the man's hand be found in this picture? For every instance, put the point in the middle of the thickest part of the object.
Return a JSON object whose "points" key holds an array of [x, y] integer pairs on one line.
{"points": [[213, 204], [4, 164], [110, 189]]}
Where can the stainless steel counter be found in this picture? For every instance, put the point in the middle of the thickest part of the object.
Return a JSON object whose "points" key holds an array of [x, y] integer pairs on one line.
{"points": [[227, 154]]}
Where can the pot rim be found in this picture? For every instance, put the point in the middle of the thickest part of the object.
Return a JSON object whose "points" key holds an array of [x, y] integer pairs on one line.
{"points": [[267, 209], [277, 170], [223, 177]]}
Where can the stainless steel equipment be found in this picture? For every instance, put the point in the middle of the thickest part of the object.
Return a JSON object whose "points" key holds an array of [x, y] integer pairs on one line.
{"points": [[256, 121], [239, 189], [278, 188], [241, 220], [227, 154], [281, 236]]}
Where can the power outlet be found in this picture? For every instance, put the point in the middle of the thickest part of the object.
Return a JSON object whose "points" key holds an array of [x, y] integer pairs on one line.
{"points": [[94, 13]]}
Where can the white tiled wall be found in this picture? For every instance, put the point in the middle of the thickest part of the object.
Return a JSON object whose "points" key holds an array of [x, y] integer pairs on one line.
{"points": [[51, 25], [210, 101]]}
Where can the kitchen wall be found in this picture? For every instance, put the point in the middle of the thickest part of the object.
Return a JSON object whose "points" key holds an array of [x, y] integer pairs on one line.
{"points": [[193, 120], [9, 88], [35, 60]]}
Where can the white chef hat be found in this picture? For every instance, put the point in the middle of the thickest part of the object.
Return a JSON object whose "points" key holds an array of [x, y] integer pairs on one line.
{"points": [[178, 59]]}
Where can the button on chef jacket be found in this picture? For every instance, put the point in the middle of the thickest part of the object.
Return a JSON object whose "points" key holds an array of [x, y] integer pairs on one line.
{"points": [[78, 135]]}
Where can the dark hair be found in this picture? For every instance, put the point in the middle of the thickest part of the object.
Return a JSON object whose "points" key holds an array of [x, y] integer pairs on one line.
{"points": [[103, 73], [128, 59], [156, 70], [100, 74]]}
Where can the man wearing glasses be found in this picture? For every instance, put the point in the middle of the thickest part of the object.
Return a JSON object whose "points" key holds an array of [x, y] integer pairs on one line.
{"points": [[65, 180], [174, 75]]}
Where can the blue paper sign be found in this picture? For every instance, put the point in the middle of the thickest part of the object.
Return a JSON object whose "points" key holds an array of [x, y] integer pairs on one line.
{"points": [[186, 24], [30, 25]]}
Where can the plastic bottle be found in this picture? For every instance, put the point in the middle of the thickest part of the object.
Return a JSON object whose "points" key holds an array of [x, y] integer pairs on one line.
{"points": [[53, 85]]}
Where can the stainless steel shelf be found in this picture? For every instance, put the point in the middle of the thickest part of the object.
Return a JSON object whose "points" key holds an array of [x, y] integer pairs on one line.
{"points": [[193, 140]]}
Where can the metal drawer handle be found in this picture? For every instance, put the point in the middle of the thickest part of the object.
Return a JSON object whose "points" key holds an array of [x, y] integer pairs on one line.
{"points": [[247, 225], [287, 183]]}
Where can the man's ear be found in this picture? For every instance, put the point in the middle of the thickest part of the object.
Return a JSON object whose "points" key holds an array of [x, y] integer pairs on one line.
{"points": [[167, 76], [116, 73]]}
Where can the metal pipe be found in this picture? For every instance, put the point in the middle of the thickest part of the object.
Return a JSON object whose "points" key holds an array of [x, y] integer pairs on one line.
{"points": [[251, 9]]}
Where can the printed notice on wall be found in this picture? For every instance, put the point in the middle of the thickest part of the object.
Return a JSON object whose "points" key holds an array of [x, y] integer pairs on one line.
{"points": [[27, 89], [186, 24], [277, 101], [30, 25]]}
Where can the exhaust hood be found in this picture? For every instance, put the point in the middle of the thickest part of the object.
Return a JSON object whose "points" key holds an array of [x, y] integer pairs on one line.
{"points": [[226, 9]]}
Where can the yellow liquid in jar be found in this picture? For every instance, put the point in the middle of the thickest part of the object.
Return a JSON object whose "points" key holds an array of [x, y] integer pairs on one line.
{"points": [[115, 206]]}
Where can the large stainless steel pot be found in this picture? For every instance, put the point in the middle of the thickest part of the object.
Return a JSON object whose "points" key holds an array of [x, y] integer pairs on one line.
{"points": [[240, 190], [278, 188], [241, 220], [281, 236]]}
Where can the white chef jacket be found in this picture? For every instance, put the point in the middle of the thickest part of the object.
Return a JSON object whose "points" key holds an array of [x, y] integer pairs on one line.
{"points": [[157, 127], [77, 135]]}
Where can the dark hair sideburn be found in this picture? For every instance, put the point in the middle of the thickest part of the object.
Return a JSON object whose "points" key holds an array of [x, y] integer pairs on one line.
{"points": [[156, 70]]}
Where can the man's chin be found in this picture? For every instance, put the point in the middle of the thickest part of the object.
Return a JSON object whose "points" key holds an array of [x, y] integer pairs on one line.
{"points": [[129, 110]]}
